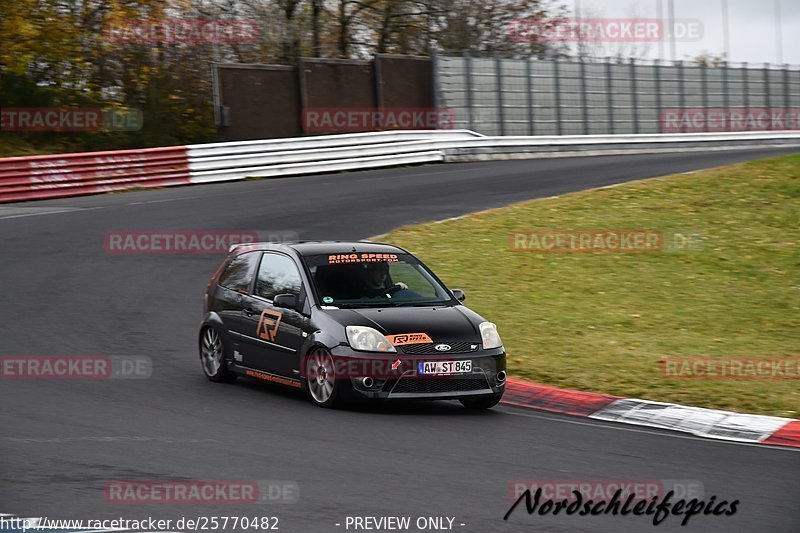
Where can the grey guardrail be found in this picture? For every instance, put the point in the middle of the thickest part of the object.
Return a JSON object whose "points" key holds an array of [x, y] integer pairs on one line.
{"points": [[494, 148], [287, 157], [310, 155], [54, 176]]}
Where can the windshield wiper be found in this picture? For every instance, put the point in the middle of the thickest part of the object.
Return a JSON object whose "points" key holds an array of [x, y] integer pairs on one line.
{"points": [[369, 305], [390, 303], [420, 304]]}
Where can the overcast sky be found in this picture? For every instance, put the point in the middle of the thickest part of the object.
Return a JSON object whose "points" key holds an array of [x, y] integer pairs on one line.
{"points": [[753, 33]]}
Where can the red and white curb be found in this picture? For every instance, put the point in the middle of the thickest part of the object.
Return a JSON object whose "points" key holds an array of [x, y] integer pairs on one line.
{"points": [[711, 423]]}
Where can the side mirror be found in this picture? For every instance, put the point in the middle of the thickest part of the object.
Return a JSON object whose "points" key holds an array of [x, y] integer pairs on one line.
{"points": [[459, 294], [288, 301]]}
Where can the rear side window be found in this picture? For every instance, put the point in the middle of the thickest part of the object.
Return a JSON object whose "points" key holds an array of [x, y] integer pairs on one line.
{"points": [[239, 273], [277, 275]]}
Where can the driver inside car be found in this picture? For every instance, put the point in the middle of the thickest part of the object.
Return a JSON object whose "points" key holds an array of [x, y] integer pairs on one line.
{"points": [[376, 280]]}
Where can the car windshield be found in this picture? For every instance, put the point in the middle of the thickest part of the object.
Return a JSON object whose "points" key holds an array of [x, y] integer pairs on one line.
{"points": [[374, 280]]}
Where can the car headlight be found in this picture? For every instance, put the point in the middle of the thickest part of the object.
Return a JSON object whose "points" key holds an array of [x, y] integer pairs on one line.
{"points": [[368, 340], [489, 336]]}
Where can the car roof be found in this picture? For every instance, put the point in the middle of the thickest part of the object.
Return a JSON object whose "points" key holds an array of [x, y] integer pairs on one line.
{"points": [[306, 248], [344, 247]]}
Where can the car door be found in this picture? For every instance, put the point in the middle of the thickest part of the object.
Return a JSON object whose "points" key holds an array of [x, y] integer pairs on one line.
{"points": [[275, 334], [234, 296]]}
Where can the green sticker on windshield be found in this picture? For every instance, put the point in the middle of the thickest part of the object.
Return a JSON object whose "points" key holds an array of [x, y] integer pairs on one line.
{"points": [[328, 300]]}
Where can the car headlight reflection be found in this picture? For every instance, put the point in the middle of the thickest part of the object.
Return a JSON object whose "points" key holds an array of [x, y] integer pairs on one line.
{"points": [[367, 339]]}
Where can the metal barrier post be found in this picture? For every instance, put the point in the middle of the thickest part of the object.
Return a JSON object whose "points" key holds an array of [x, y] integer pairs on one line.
{"points": [[468, 85], [657, 71], [529, 90], [557, 90], [634, 97], [726, 97], [498, 71], [585, 107], [787, 102], [746, 77], [610, 100], [704, 90], [767, 98], [682, 94]]}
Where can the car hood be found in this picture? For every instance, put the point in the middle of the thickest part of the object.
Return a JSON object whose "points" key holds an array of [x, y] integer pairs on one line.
{"points": [[441, 324]]}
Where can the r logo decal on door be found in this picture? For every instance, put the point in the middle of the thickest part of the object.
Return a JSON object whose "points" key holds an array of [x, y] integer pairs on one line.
{"points": [[268, 324]]}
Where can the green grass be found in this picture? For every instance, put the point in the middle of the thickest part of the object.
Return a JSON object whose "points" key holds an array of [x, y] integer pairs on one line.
{"points": [[601, 322]]}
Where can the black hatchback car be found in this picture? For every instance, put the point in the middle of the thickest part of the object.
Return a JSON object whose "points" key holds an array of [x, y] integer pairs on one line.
{"points": [[347, 320]]}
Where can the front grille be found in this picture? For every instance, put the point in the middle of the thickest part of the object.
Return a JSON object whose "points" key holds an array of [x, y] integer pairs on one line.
{"points": [[439, 385], [428, 348]]}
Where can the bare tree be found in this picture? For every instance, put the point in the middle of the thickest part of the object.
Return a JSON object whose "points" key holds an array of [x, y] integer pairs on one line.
{"points": [[488, 25], [593, 47], [316, 11], [707, 59]]}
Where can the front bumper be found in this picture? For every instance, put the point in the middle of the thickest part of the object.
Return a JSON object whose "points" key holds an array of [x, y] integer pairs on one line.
{"points": [[395, 376]]}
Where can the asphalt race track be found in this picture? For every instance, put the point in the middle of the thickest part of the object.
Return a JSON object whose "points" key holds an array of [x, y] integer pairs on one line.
{"points": [[61, 441]]}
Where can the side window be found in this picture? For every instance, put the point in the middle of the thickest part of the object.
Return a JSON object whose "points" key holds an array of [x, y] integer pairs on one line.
{"points": [[277, 275], [239, 273]]}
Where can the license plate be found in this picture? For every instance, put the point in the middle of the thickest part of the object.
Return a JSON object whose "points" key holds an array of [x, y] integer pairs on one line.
{"points": [[444, 368]]}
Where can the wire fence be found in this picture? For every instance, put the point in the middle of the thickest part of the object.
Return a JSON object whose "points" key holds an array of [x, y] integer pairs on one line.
{"points": [[529, 96]]}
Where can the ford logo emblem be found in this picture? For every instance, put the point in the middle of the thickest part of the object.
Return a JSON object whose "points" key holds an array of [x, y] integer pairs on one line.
{"points": [[443, 347]]}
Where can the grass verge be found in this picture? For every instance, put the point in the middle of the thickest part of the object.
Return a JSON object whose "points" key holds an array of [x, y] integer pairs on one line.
{"points": [[603, 321]]}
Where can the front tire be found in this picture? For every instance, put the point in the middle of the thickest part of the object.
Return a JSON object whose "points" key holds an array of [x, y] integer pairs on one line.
{"points": [[481, 402], [212, 357], [321, 378]]}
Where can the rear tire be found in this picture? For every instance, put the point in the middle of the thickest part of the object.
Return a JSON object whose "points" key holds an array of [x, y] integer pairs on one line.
{"points": [[481, 402], [321, 378], [212, 357]]}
